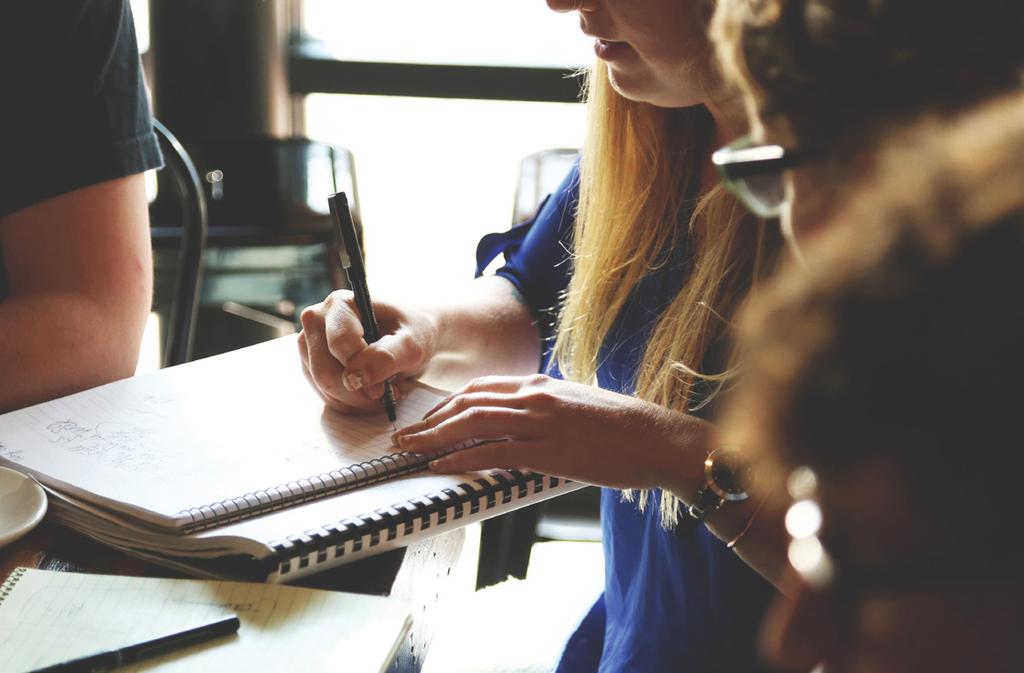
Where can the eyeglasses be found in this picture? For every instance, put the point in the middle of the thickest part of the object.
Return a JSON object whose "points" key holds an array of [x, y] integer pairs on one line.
{"points": [[754, 173]]}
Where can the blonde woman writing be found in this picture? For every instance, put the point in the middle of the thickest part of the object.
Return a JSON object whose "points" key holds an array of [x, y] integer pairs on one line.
{"points": [[620, 289]]}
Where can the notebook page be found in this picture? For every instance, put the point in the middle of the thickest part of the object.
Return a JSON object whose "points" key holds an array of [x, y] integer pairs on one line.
{"points": [[197, 434], [52, 616]]}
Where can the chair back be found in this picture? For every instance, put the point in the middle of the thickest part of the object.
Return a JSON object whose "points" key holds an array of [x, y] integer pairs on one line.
{"points": [[181, 177], [540, 174]]}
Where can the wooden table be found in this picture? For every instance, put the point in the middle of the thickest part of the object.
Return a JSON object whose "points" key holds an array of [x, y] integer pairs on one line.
{"points": [[424, 574]]}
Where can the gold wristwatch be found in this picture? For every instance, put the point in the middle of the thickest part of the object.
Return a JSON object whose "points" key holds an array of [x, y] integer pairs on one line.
{"points": [[726, 479]]}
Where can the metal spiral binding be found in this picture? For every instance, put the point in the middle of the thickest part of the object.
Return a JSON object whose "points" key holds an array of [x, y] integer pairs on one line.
{"points": [[303, 490], [8, 585], [385, 525]]}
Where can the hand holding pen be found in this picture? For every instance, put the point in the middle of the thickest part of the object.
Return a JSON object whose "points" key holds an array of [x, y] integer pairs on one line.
{"points": [[355, 270]]}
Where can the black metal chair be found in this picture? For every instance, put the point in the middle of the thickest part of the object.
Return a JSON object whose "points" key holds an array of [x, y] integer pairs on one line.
{"points": [[179, 213]]}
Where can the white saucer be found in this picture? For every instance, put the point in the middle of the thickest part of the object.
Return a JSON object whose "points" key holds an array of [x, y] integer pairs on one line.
{"points": [[22, 505]]}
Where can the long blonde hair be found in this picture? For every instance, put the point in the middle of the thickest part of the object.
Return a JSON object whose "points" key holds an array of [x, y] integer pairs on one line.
{"points": [[639, 174]]}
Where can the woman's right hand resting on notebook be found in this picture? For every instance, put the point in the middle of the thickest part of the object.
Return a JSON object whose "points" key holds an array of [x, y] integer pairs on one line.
{"points": [[484, 329]]}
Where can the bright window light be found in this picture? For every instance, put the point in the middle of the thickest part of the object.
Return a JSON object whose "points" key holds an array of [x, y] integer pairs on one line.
{"points": [[140, 12], [495, 32], [434, 176]]}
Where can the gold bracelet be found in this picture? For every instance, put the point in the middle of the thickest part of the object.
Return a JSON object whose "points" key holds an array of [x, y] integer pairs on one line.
{"points": [[750, 522]]}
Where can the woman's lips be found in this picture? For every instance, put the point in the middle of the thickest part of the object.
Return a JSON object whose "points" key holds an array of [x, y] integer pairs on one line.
{"points": [[608, 50]]}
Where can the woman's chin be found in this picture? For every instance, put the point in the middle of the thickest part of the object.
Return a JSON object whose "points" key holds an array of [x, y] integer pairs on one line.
{"points": [[644, 89]]}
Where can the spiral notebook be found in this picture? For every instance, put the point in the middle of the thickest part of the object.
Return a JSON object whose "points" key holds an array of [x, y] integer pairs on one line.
{"points": [[235, 457], [47, 617]]}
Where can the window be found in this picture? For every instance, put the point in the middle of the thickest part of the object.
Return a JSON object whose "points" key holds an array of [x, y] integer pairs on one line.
{"points": [[435, 174], [491, 32]]}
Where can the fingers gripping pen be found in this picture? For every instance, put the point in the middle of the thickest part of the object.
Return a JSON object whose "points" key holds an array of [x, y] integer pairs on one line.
{"points": [[355, 270]]}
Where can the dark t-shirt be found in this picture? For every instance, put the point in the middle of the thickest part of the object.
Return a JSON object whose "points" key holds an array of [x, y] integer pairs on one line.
{"points": [[74, 111]]}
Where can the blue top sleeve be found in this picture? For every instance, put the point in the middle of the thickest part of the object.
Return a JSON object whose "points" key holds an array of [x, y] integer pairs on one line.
{"points": [[537, 253]]}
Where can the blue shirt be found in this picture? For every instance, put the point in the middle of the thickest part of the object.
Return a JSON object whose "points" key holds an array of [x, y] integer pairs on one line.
{"points": [[669, 603]]}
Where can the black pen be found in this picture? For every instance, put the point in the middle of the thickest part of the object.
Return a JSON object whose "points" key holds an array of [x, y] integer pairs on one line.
{"points": [[355, 270], [110, 659]]}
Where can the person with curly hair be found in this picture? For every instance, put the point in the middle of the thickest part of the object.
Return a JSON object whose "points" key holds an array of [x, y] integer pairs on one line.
{"points": [[881, 391]]}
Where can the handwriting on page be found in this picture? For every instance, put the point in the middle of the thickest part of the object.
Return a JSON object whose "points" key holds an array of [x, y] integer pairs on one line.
{"points": [[13, 455], [219, 430], [122, 432], [118, 445], [134, 433]]}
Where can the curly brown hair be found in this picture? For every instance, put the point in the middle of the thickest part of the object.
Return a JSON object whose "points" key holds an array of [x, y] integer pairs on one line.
{"points": [[821, 73], [904, 337]]}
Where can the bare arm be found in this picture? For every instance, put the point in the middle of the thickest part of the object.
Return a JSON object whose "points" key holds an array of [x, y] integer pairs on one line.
{"points": [[79, 270], [755, 526], [486, 329], [489, 330], [598, 436]]}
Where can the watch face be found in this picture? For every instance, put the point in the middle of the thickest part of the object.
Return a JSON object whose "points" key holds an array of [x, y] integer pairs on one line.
{"points": [[727, 475]]}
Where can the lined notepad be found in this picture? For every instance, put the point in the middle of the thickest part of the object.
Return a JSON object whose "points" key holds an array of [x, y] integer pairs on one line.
{"points": [[46, 617]]}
